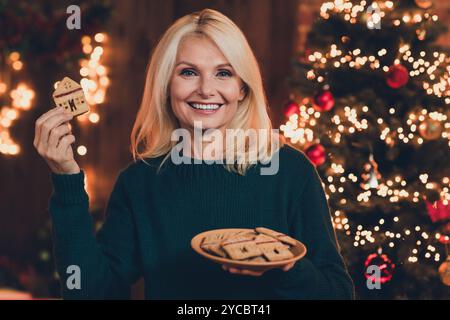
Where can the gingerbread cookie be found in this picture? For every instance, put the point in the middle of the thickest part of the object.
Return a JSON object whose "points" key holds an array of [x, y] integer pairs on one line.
{"points": [[69, 94], [258, 245], [277, 235]]}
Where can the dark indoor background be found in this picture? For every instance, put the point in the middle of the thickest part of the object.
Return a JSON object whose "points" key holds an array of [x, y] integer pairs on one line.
{"points": [[276, 29]]}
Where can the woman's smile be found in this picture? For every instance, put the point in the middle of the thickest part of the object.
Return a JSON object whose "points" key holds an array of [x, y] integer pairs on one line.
{"points": [[205, 108]]}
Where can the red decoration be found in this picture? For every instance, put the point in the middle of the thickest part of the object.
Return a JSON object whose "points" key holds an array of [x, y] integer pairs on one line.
{"points": [[438, 211], [316, 153], [323, 101], [397, 76], [444, 239], [291, 108], [384, 264]]}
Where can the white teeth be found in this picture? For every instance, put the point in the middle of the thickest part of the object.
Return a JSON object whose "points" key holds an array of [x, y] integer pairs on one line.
{"points": [[205, 106]]}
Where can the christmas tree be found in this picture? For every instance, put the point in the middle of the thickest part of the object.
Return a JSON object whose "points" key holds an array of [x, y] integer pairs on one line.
{"points": [[369, 107]]}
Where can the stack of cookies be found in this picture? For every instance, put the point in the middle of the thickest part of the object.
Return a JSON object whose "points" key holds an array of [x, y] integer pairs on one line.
{"points": [[258, 245]]}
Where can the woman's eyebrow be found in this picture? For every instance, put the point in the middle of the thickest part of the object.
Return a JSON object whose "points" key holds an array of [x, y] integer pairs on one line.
{"points": [[193, 65]]}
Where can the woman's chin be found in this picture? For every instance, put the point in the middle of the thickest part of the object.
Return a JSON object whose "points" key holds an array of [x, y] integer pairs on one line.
{"points": [[207, 121], [206, 124]]}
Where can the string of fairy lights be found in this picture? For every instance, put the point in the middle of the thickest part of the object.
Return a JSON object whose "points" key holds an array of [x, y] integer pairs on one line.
{"points": [[433, 71], [365, 236], [437, 82], [373, 12], [94, 83], [20, 96], [299, 129]]}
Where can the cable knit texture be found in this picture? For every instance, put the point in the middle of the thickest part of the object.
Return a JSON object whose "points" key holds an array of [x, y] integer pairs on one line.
{"points": [[151, 218]]}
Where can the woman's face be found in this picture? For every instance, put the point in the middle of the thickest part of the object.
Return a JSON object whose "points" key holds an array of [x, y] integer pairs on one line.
{"points": [[204, 87]]}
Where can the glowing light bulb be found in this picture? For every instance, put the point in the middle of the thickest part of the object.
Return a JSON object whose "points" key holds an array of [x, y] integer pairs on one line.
{"points": [[82, 150]]}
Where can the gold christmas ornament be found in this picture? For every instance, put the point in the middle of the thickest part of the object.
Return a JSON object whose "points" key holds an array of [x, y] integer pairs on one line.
{"points": [[430, 129], [423, 4], [444, 272]]}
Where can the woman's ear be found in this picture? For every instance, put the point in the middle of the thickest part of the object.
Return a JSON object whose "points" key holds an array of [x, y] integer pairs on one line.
{"points": [[243, 93]]}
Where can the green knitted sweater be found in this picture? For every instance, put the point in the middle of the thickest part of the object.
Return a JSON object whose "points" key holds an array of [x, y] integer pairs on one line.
{"points": [[152, 216]]}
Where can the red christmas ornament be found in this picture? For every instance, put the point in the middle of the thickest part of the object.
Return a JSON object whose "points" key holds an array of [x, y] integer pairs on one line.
{"points": [[316, 153], [323, 101], [384, 264], [438, 211], [444, 239], [291, 108], [397, 76]]}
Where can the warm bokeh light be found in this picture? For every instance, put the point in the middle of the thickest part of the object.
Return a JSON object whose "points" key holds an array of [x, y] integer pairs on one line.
{"points": [[95, 75], [22, 96], [100, 37], [94, 117], [17, 65], [3, 88], [87, 48], [82, 150], [14, 56]]}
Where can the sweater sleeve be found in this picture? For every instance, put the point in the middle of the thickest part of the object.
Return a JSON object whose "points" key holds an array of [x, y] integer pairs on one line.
{"points": [[321, 274], [107, 261]]}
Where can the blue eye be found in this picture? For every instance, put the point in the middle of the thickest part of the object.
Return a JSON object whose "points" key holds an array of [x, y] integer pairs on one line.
{"points": [[225, 73], [190, 73], [187, 72]]}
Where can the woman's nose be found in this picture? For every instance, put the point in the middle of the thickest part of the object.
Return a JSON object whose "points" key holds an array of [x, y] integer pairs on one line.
{"points": [[206, 87]]}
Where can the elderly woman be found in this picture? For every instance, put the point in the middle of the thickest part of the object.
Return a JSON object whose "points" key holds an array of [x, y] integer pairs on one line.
{"points": [[202, 81]]}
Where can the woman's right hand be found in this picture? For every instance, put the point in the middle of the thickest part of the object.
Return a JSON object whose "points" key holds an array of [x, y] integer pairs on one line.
{"points": [[53, 139]]}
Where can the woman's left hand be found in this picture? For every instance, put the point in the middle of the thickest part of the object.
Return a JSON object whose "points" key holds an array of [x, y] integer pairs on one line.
{"points": [[254, 273]]}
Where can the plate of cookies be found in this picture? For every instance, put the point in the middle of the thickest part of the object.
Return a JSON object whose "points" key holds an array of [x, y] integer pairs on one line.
{"points": [[257, 249]]}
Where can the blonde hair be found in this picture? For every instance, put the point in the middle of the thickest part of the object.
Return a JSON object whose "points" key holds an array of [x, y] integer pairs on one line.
{"points": [[156, 121]]}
